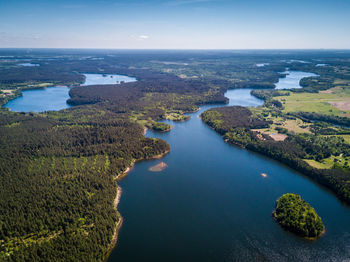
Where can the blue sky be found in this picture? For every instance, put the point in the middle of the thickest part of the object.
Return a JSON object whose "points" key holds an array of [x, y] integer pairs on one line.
{"points": [[175, 24]]}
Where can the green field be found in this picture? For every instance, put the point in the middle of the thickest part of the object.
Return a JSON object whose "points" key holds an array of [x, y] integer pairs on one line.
{"points": [[329, 162], [317, 102]]}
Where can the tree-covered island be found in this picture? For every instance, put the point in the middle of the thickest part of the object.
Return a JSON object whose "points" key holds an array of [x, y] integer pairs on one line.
{"points": [[296, 215]]}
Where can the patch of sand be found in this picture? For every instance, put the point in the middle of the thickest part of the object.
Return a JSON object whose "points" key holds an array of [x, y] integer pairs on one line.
{"points": [[331, 90], [342, 105], [159, 167], [278, 137], [274, 136]]}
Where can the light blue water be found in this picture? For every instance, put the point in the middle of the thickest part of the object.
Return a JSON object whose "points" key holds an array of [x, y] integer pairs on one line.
{"points": [[100, 79], [54, 98], [28, 64], [262, 64], [292, 79]]}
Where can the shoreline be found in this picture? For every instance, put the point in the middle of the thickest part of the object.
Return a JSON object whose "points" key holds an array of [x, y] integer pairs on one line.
{"points": [[302, 237], [118, 197], [118, 225]]}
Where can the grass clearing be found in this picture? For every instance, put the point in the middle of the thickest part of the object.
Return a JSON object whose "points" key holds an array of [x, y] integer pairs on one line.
{"points": [[323, 102], [329, 162]]}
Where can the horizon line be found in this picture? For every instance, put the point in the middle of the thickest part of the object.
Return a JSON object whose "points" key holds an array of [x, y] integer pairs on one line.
{"points": [[183, 49]]}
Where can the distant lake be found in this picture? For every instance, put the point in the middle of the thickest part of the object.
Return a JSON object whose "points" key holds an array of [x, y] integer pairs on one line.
{"points": [[292, 79], [321, 65], [262, 64], [101, 79], [55, 98], [28, 64]]}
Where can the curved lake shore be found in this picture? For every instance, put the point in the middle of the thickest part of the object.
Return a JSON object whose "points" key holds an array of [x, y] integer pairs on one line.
{"points": [[212, 204], [292, 79]]}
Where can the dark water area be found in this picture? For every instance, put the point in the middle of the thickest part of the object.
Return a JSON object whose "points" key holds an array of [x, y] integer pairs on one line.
{"points": [[212, 204], [55, 98]]}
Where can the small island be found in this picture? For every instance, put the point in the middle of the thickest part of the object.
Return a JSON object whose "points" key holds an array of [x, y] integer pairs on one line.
{"points": [[296, 215], [160, 127]]}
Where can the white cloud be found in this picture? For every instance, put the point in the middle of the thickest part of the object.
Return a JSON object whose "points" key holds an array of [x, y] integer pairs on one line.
{"points": [[143, 37]]}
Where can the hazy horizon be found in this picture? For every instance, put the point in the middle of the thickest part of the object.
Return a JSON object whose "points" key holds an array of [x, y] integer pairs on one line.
{"points": [[175, 24]]}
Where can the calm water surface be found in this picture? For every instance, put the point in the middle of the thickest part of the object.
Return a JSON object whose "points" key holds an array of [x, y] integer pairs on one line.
{"points": [[292, 79], [54, 98], [212, 204]]}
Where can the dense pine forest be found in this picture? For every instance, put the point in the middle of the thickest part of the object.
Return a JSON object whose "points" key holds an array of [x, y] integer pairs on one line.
{"points": [[58, 182], [59, 169]]}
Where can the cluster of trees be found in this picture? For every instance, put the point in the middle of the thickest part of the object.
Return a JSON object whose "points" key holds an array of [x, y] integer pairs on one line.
{"points": [[38, 74], [235, 124], [224, 119], [296, 215], [124, 93]]}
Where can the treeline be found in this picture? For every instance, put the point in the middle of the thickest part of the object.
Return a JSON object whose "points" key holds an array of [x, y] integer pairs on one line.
{"points": [[39, 74], [337, 120], [291, 151], [269, 94]]}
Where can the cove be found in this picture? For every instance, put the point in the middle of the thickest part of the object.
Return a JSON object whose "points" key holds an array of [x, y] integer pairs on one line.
{"points": [[212, 204], [54, 98]]}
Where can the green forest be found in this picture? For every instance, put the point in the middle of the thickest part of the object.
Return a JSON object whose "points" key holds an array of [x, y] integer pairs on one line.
{"points": [[58, 182]]}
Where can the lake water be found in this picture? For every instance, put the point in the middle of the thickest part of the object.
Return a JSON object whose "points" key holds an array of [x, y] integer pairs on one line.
{"points": [[262, 64], [99, 79], [212, 204], [28, 64], [292, 79], [54, 98]]}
